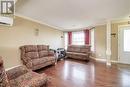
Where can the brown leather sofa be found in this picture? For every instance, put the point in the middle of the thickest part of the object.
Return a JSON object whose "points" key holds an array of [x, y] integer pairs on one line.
{"points": [[81, 52], [37, 56], [21, 77]]}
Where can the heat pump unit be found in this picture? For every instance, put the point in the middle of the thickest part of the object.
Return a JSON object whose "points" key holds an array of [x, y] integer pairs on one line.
{"points": [[7, 21]]}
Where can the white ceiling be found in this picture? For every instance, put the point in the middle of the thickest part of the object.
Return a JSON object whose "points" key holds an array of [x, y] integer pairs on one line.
{"points": [[73, 14]]}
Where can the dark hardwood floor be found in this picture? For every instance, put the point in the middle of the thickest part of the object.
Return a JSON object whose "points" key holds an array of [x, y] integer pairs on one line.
{"points": [[75, 73]]}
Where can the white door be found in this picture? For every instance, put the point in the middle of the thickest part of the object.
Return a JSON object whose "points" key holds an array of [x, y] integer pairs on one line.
{"points": [[124, 44]]}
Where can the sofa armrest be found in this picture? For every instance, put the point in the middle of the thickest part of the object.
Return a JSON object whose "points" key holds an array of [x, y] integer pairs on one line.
{"points": [[89, 53], [26, 60], [29, 65], [16, 72], [1, 62], [51, 53]]}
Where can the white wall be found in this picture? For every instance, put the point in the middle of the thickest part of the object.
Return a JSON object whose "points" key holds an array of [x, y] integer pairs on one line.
{"points": [[23, 33]]}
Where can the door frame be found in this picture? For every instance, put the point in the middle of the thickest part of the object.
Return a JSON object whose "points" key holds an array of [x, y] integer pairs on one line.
{"points": [[119, 31]]}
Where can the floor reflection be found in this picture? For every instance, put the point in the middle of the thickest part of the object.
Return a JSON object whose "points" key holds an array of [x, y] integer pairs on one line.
{"points": [[125, 79], [71, 73], [77, 73]]}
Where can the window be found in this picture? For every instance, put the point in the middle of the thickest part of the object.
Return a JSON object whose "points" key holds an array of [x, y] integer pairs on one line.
{"points": [[92, 40], [126, 40], [78, 38], [66, 40]]}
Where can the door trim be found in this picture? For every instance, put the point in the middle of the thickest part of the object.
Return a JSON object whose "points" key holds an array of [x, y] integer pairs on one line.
{"points": [[119, 31]]}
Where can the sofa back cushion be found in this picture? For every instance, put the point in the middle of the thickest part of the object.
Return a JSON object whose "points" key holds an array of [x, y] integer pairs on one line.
{"points": [[30, 48], [73, 48], [42, 47], [85, 49], [43, 53], [32, 55], [43, 50], [34, 51], [79, 49], [29, 51]]}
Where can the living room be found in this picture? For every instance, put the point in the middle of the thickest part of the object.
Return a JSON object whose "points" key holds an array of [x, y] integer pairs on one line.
{"points": [[93, 34]]}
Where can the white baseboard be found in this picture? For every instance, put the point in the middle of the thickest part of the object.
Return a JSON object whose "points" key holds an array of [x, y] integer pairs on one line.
{"points": [[103, 60], [12, 67], [113, 61]]}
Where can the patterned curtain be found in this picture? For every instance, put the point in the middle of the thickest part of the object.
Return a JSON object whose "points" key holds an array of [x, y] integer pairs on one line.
{"points": [[87, 36], [69, 38]]}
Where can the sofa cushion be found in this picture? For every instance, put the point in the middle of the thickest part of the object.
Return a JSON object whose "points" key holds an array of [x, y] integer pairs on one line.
{"points": [[70, 49], [43, 53], [74, 53], [42, 60], [1, 62], [84, 50], [30, 48], [73, 49], [3, 75], [32, 55], [42, 47], [76, 49], [50, 58], [30, 79], [38, 61], [16, 72]]}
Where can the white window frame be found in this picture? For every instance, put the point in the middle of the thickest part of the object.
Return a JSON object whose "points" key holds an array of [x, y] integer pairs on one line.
{"points": [[66, 40], [92, 40], [126, 40], [78, 38]]}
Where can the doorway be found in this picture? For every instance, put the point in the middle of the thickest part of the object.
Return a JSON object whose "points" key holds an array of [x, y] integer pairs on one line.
{"points": [[124, 44]]}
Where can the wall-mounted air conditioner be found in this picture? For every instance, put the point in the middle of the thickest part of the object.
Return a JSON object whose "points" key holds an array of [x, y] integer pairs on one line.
{"points": [[7, 21]]}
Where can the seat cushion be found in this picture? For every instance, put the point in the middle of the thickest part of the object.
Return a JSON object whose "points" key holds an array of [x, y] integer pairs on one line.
{"points": [[74, 53], [30, 79], [49, 58], [42, 60], [38, 61]]}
